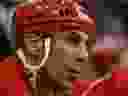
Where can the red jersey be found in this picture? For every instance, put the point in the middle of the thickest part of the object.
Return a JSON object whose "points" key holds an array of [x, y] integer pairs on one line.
{"points": [[11, 82], [116, 86]]}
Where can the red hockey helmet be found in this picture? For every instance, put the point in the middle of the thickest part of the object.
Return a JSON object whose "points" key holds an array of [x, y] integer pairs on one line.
{"points": [[42, 17]]}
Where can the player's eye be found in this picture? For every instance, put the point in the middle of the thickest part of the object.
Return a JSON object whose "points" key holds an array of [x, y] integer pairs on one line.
{"points": [[74, 38]]}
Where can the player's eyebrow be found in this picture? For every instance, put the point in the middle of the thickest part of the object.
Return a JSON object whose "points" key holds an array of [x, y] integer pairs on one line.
{"points": [[73, 35]]}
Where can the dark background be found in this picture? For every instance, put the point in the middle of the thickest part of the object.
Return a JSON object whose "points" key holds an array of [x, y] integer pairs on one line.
{"points": [[7, 45], [109, 11]]}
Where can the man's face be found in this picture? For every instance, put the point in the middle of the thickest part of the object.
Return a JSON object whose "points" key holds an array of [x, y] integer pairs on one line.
{"points": [[69, 60], [33, 43]]}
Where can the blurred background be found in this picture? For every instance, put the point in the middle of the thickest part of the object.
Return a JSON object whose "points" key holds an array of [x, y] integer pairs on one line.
{"points": [[112, 18], [7, 27], [113, 48]]}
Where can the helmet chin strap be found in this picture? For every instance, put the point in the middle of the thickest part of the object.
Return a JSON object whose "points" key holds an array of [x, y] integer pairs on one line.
{"points": [[35, 68]]}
